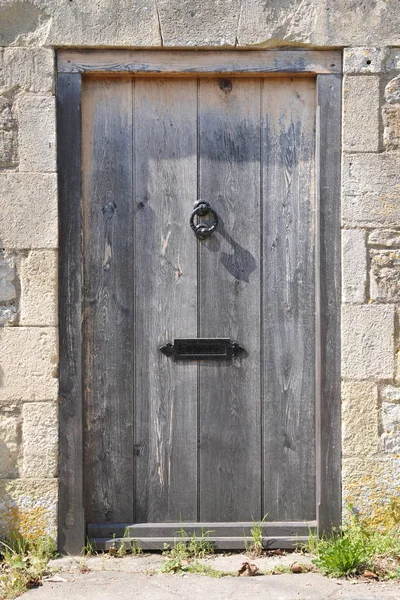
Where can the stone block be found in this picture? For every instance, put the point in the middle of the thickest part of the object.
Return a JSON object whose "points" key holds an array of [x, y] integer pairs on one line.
{"points": [[390, 439], [385, 275], [8, 314], [363, 60], [390, 416], [321, 23], [392, 90], [369, 484], [390, 393], [28, 218], [8, 134], [10, 440], [7, 279], [131, 24], [39, 288], [176, 17], [28, 69], [391, 127], [392, 62], [354, 265], [359, 418], [384, 237], [361, 106], [7, 119], [40, 439], [367, 341], [390, 442], [23, 24], [8, 292], [371, 190], [8, 148], [28, 363], [29, 506], [397, 367], [37, 133]]}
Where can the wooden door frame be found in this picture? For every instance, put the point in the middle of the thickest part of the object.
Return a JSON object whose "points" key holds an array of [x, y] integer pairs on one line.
{"points": [[326, 66]]}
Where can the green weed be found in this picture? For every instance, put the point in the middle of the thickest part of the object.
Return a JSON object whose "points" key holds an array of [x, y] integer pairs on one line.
{"points": [[90, 548], [188, 547], [23, 563], [278, 569], [135, 548], [174, 565], [342, 555], [180, 566], [207, 571], [185, 550], [256, 547], [355, 547], [121, 548]]}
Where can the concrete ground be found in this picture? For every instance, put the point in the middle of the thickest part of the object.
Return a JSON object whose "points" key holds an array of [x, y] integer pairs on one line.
{"points": [[107, 578]]}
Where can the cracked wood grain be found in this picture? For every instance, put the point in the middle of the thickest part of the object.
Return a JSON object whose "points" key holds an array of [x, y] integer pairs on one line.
{"points": [[108, 301], [165, 281]]}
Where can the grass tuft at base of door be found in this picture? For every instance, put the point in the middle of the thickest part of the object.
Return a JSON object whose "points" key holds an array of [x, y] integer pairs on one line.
{"points": [[357, 549]]}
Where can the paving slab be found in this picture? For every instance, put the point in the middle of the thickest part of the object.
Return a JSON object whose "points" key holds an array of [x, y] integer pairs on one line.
{"points": [[104, 562], [109, 585], [107, 578]]}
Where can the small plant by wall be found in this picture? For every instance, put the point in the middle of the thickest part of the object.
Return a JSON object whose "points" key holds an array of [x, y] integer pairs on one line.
{"points": [[359, 548], [23, 563]]}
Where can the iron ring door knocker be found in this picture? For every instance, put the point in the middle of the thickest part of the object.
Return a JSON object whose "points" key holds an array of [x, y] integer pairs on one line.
{"points": [[202, 209]]}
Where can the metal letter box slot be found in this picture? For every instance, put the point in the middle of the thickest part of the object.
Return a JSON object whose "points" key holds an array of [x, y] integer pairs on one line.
{"points": [[202, 348]]}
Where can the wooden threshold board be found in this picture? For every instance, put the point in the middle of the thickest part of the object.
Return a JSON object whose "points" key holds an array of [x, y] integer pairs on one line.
{"points": [[223, 536], [219, 543]]}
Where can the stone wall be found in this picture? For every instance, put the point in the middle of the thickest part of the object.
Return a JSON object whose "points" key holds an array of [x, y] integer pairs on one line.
{"points": [[29, 31], [371, 278], [28, 291]]}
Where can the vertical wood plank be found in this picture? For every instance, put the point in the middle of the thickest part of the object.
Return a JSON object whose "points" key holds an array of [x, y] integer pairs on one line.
{"points": [[288, 143], [108, 299], [328, 409], [71, 531], [165, 293], [229, 299]]}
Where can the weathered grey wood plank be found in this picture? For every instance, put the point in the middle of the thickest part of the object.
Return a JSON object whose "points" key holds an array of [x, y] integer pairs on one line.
{"points": [[165, 294], [189, 61], [288, 109], [329, 500], [108, 298], [71, 531], [229, 300]]}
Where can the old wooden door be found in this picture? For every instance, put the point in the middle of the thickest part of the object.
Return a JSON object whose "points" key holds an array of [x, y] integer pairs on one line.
{"points": [[199, 441]]}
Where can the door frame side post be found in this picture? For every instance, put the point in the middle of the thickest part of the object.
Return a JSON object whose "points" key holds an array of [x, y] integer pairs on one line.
{"points": [[71, 520], [328, 339]]}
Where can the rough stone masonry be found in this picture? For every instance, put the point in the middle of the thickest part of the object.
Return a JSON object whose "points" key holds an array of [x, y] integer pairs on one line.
{"points": [[368, 32]]}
